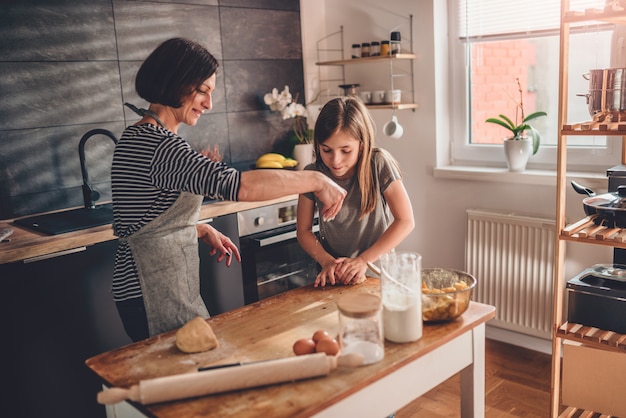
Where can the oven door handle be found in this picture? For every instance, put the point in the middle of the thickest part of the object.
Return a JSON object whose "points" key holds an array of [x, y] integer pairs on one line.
{"points": [[282, 237]]}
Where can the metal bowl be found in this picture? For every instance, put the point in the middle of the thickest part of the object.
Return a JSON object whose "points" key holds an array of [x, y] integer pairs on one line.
{"points": [[446, 293]]}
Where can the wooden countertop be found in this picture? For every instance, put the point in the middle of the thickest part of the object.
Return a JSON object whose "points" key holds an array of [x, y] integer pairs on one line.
{"points": [[266, 330], [26, 243]]}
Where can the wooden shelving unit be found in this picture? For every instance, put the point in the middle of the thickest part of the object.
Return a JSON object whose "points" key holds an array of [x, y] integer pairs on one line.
{"points": [[586, 230]]}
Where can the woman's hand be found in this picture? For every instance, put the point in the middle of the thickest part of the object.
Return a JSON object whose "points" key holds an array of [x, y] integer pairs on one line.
{"points": [[219, 243], [331, 195]]}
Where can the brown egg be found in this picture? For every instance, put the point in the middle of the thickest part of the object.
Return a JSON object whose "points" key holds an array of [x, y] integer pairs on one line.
{"points": [[319, 334], [304, 346], [330, 346]]}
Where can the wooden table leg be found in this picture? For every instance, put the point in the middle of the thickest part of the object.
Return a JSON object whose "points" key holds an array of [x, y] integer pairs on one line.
{"points": [[473, 378]]}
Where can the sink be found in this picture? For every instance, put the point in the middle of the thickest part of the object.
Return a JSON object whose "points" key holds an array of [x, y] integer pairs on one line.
{"points": [[68, 221]]}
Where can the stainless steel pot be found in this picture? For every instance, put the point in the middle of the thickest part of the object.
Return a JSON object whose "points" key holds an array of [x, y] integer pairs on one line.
{"points": [[607, 92]]}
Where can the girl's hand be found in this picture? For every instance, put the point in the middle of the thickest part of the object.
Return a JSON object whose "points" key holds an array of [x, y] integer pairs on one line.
{"points": [[326, 275], [350, 270], [219, 243]]}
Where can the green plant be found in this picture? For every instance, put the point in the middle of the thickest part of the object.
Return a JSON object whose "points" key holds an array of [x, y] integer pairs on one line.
{"points": [[518, 129]]}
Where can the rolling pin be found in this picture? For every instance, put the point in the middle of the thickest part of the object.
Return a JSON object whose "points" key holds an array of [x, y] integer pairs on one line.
{"points": [[188, 385]]}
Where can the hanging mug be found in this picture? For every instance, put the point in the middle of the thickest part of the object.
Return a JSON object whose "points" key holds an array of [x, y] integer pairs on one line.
{"points": [[393, 129]]}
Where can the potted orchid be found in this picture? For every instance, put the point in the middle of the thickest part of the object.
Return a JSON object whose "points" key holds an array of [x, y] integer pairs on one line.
{"points": [[303, 122], [525, 139]]}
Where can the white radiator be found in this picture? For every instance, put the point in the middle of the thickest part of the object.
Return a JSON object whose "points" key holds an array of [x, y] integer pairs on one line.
{"points": [[512, 258]]}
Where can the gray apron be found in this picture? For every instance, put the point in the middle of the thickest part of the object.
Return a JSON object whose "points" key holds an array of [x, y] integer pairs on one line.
{"points": [[166, 255]]}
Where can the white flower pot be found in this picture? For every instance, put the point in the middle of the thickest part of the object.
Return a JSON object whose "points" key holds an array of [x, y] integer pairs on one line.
{"points": [[303, 154], [517, 152]]}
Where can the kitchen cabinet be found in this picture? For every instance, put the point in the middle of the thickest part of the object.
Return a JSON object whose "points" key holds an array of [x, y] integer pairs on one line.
{"points": [[396, 72], [563, 331], [56, 312]]}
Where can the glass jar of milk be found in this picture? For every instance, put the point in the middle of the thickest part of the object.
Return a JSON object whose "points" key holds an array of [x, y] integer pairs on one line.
{"points": [[401, 289]]}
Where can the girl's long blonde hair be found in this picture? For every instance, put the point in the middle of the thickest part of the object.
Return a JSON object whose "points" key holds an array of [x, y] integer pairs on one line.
{"points": [[350, 116]]}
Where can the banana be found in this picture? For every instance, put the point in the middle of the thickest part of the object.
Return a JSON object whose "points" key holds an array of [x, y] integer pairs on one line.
{"points": [[289, 162], [269, 164], [271, 157]]}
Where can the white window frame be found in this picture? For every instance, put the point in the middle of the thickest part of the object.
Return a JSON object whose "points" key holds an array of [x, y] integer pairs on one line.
{"points": [[462, 153]]}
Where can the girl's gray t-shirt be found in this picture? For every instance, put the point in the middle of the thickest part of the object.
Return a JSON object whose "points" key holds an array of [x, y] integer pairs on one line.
{"points": [[346, 235]]}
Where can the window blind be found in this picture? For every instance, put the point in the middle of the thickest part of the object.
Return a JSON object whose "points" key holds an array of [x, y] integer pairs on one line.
{"points": [[488, 18]]}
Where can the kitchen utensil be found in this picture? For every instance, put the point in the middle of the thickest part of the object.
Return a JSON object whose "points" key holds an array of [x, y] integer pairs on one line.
{"points": [[350, 89], [611, 207], [446, 293], [366, 96], [5, 233], [378, 96], [607, 92], [393, 96], [393, 129], [217, 380]]}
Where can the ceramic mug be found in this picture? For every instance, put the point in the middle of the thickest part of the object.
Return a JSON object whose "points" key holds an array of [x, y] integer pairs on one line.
{"points": [[366, 96], [378, 96], [393, 129], [393, 96]]}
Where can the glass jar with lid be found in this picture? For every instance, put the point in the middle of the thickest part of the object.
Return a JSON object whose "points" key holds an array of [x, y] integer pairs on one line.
{"points": [[356, 50], [395, 43], [365, 49], [385, 48], [361, 326], [375, 49]]}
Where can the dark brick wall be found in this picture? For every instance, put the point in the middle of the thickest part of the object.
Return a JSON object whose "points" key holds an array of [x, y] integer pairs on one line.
{"points": [[67, 67]]}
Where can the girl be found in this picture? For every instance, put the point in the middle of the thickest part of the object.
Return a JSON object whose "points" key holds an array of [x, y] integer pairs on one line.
{"points": [[363, 229]]}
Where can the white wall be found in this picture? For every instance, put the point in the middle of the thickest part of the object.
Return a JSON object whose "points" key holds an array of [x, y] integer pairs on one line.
{"points": [[439, 204]]}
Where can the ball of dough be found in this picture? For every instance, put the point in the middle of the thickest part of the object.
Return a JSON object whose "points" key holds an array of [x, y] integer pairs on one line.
{"points": [[196, 336]]}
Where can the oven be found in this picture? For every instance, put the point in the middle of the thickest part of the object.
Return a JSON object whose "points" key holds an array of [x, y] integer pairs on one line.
{"points": [[272, 261]]}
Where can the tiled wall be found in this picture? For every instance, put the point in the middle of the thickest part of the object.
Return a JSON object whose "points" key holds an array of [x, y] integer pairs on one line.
{"points": [[67, 67]]}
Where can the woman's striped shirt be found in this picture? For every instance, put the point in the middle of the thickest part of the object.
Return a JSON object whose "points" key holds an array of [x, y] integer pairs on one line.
{"points": [[151, 167]]}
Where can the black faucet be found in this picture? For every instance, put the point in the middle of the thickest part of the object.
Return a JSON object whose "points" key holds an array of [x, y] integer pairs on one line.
{"points": [[90, 195]]}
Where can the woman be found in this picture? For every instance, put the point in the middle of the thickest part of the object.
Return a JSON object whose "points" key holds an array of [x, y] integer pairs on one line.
{"points": [[363, 229], [158, 184]]}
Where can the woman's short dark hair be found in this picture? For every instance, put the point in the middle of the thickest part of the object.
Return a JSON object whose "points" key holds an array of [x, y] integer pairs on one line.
{"points": [[174, 70]]}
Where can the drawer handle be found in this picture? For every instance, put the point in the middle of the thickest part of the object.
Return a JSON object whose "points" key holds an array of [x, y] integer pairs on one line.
{"points": [[53, 255]]}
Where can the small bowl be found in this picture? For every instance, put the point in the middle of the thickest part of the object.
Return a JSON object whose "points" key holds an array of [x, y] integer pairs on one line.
{"points": [[446, 294]]}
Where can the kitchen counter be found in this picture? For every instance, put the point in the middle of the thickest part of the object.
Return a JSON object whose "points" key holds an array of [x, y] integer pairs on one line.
{"points": [[267, 329], [27, 244]]}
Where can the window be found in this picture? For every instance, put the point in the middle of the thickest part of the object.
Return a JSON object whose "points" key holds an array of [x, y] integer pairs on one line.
{"points": [[494, 43]]}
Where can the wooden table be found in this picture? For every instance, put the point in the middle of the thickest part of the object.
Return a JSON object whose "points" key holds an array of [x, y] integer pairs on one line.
{"points": [[267, 329]]}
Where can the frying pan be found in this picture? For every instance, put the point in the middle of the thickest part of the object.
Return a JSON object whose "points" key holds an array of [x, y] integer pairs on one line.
{"points": [[611, 207]]}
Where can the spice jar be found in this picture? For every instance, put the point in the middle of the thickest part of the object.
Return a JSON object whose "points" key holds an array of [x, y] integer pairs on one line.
{"points": [[385, 48], [356, 50], [361, 326], [365, 49], [395, 43], [375, 49]]}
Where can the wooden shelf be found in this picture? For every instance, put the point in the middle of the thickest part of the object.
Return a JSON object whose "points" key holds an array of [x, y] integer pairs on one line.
{"points": [[595, 128], [572, 412], [603, 15], [592, 336], [369, 59], [399, 106], [586, 230]]}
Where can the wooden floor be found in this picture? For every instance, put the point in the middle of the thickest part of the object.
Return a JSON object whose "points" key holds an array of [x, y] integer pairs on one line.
{"points": [[517, 384]]}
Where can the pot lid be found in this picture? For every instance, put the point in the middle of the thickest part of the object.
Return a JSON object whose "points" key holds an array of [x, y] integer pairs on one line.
{"points": [[610, 271], [614, 200]]}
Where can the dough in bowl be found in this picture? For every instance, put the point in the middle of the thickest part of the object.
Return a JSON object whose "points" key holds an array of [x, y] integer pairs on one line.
{"points": [[196, 336]]}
